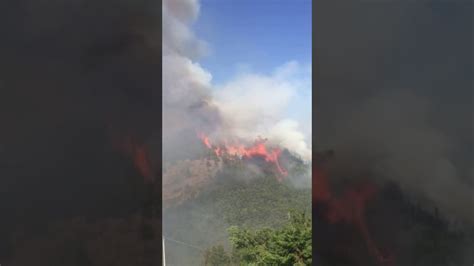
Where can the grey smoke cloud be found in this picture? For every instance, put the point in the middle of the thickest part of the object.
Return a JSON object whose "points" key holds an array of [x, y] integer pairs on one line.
{"points": [[187, 103], [395, 98], [390, 135]]}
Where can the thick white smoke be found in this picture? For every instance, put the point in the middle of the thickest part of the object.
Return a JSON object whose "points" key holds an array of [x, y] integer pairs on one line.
{"points": [[187, 104], [246, 107], [256, 105]]}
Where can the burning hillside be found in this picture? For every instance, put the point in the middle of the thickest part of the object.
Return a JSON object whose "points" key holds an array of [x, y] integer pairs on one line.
{"points": [[184, 179], [242, 192], [237, 150], [360, 222], [348, 207], [226, 117]]}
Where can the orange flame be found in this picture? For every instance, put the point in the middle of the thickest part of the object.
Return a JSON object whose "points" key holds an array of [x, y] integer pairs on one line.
{"points": [[140, 157], [258, 149], [349, 208]]}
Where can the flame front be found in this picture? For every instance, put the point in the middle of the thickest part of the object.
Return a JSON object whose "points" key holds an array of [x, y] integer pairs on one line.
{"points": [[258, 149]]}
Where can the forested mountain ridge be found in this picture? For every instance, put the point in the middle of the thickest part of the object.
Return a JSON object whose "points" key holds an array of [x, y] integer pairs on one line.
{"points": [[240, 195]]}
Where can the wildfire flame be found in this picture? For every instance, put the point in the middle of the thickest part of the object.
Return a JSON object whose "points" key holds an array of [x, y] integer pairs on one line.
{"points": [[139, 154], [258, 149], [348, 208]]}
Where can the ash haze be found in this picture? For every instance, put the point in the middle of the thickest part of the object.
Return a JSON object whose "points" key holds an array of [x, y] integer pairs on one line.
{"points": [[395, 96], [394, 101]]}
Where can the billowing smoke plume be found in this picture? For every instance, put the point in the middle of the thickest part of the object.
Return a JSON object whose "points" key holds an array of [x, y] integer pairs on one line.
{"points": [[187, 104], [254, 104], [245, 108]]}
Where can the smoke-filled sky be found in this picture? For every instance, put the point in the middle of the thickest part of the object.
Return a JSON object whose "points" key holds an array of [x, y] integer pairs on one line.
{"points": [[250, 98], [394, 94]]}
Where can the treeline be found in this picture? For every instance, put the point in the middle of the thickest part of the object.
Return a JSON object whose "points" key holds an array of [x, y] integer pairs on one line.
{"points": [[289, 245], [241, 198]]}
